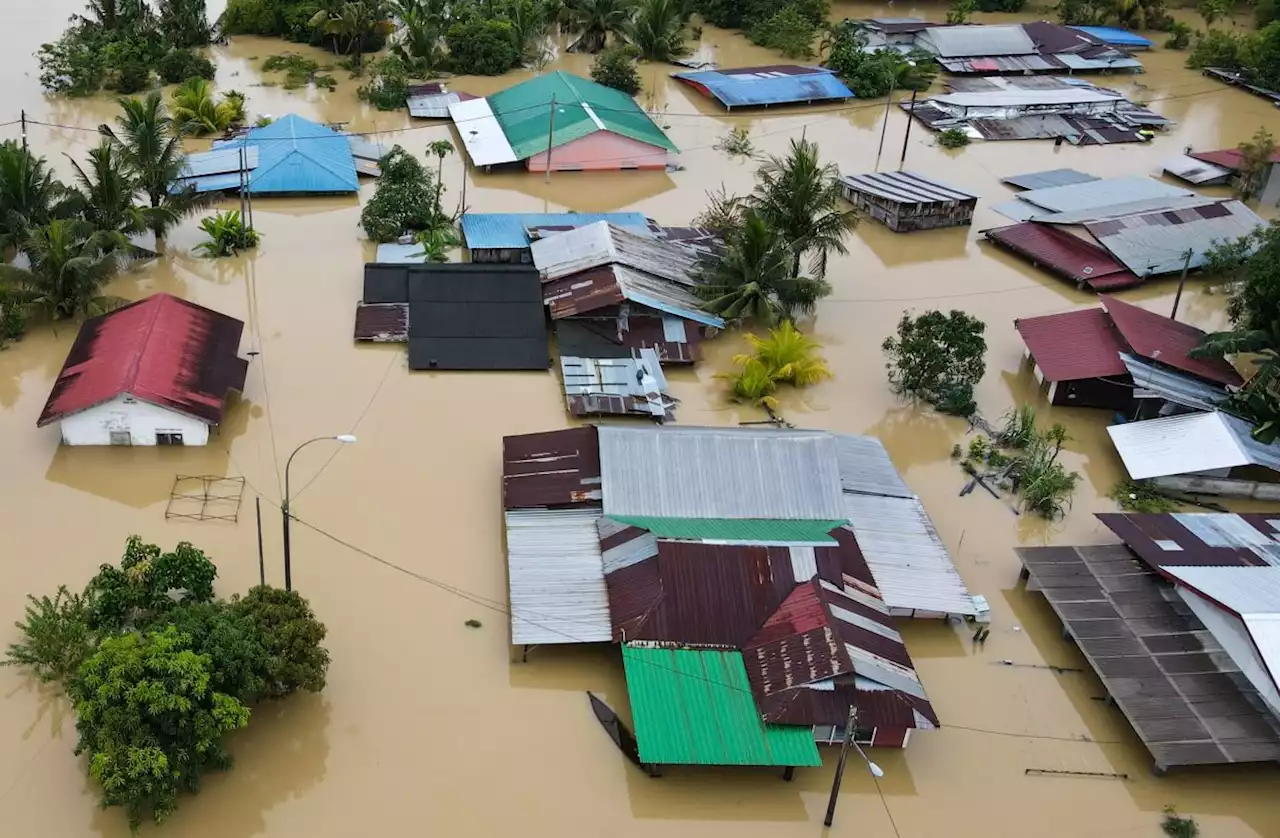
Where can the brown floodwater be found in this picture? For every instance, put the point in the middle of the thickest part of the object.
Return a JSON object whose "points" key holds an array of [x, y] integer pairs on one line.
{"points": [[427, 727]]}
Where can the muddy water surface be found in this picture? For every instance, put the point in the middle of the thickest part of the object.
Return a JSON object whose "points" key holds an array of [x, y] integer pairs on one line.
{"points": [[426, 728]]}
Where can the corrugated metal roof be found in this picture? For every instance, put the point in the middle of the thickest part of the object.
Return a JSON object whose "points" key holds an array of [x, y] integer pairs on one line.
{"points": [[509, 230], [1188, 444], [1195, 171], [905, 187], [1115, 36], [602, 243], [434, 105], [675, 340], [1198, 538], [382, 322], [865, 467], [1173, 386], [1244, 591], [162, 350], [740, 530], [1169, 202], [1002, 64], [218, 162], [1107, 63], [910, 564], [1074, 345], [606, 286], [1048, 179], [296, 156], [1091, 196], [362, 149], [557, 577], [755, 86], [482, 135], [1018, 98], [557, 468], [1168, 341], [720, 473], [582, 107], [1156, 243], [401, 254], [1064, 254], [694, 707], [964, 41], [1227, 158], [617, 386]]}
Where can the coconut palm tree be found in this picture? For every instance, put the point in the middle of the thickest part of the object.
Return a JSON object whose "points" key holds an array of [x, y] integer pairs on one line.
{"points": [[788, 355], [799, 197], [70, 262], [195, 112], [422, 25], [354, 22], [29, 193], [183, 22], [595, 21], [105, 192], [658, 29], [150, 148], [440, 148], [753, 279]]}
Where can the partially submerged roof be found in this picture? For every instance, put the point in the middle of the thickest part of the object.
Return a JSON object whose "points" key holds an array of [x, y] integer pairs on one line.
{"points": [[906, 188], [1198, 538], [602, 243], [1096, 194], [551, 469], [772, 85], [621, 386], [162, 350], [1227, 158], [582, 107], [1153, 380], [609, 285], [1048, 178], [676, 340], [1074, 345], [1185, 699], [694, 707], [432, 101], [1195, 171], [556, 577], [1157, 243], [1064, 254], [296, 155], [1116, 37], [482, 135], [1015, 98], [966, 41], [510, 230], [1188, 444], [1168, 341]]}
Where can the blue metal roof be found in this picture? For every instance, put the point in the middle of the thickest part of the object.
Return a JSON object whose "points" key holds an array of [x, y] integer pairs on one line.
{"points": [[506, 230], [218, 162], [296, 155], [1115, 36], [753, 86], [209, 183]]}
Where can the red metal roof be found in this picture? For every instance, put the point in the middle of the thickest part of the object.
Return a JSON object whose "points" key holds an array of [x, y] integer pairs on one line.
{"points": [[1074, 345], [162, 350], [1065, 255], [557, 468], [1166, 341], [1227, 158], [1162, 539]]}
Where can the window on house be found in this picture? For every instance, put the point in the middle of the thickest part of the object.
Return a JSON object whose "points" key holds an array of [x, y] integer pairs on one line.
{"points": [[121, 438], [168, 438]]}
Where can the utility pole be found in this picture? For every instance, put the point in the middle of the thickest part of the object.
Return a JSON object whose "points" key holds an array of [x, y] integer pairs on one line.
{"points": [[844, 753], [1182, 281], [551, 129], [240, 162], [884, 128], [24, 130], [262, 565], [911, 117]]}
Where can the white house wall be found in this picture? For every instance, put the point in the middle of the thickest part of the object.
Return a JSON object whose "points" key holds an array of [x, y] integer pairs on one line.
{"points": [[140, 419]]}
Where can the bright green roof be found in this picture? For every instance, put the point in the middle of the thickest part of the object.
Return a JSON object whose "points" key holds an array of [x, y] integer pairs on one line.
{"points": [[766, 530], [694, 707], [523, 112]]}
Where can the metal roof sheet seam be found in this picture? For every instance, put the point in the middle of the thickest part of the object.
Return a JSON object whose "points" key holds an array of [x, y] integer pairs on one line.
{"points": [[905, 187], [556, 577]]}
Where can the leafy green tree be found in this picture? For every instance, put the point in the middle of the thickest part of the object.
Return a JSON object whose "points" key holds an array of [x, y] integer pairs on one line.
{"points": [[799, 197], [1265, 12], [754, 280], [482, 47], [183, 23], [1180, 35], [227, 234], [754, 384], [405, 200], [615, 66], [56, 636], [789, 355], [240, 664], [593, 21], [388, 86], [1255, 162], [30, 196], [355, 26], [658, 29], [421, 34], [724, 212], [1221, 48], [196, 112], [939, 358], [150, 581], [1214, 10], [150, 722], [181, 64], [960, 12], [871, 74], [1262, 57], [953, 137], [70, 262], [292, 636], [788, 31]]}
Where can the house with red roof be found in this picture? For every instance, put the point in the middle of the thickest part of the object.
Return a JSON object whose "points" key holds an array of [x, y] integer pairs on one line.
{"points": [[1112, 356], [155, 372]]}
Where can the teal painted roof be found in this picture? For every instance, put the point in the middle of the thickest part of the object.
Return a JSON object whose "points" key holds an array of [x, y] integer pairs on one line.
{"points": [[764, 530], [694, 707], [582, 107]]}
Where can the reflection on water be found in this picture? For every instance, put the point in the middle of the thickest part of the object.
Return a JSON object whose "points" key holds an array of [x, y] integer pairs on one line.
{"points": [[429, 727]]}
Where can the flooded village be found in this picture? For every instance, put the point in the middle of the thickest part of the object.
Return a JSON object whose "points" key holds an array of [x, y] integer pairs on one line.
{"points": [[570, 584]]}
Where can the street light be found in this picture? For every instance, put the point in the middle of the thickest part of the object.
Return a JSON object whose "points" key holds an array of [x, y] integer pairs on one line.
{"points": [[876, 771], [893, 77], [345, 439]]}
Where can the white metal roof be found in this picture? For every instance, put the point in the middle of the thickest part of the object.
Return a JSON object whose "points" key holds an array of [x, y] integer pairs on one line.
{"points": [[865, 467], [1244, 591], [602, 243], [1252, 643], [1024, 98], [1190, 443], [910, 564], [1151, 244], [481, 133], [1195, 171], [970, 41], [1076, 197], [556, 576]]}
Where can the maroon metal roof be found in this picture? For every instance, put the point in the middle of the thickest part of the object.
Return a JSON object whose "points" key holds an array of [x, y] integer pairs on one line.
{"points": [[557, 468], [163, 350], [382, 322], [1064, 255], [848, 560], [1074, 345], [1142, 533], [1166, 341], [652, 333], [1227, 158], [796, 646], [583, 292]]}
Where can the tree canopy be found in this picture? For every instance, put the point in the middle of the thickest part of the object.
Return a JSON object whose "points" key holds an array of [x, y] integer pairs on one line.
{"points": [[939, 358]]}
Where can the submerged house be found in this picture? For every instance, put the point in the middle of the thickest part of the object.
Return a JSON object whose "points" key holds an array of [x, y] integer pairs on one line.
{"points": [[506, 236], [1023, 49], [1228, 159], [775, 84], [1202, 453], [1085, 355], [594, 127], [155, 372], [906, 201]]}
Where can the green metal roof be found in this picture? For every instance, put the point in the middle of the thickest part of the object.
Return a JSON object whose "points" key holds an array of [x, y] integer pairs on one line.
{"points": [[523, 112], [766, 530], [694, 707]]}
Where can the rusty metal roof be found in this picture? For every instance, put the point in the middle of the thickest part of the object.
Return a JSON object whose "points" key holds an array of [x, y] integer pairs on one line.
{"points": [[608, 285], [1198, 538], [553, 469], [622, 386], [1188, 702], [382, 322], [1073, 345], [602, 243], [675, 340]]}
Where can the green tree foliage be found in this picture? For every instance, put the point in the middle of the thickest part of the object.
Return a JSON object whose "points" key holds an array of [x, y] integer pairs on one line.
{"points": [[615, 67], [960, 12], [788, 31], [404, 201], [183, 23], [388, 85], [1265, 12], [789, 355], [482, 47], [70, 262], [1180, 35], [724, 213], [1005, 6], [1130, 14], [754, 385], [1222, 48], [291, 635], [420, 40], [57, 636], [658, 29], [1255, 162], [181, 64], [1214, 10], [1176, 826], [149, 581], [953, 137], [593, 21], [30, 196], [197, 113], [799, 197], [872, 74], [105, 192], [1262, 57], [227, 234], [939, 358], [354, 27], [1133, 496]]}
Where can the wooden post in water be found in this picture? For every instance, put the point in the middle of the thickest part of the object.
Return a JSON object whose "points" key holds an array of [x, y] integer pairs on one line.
{"points": [[1182, 281], [551, 129], [844, 753]]}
